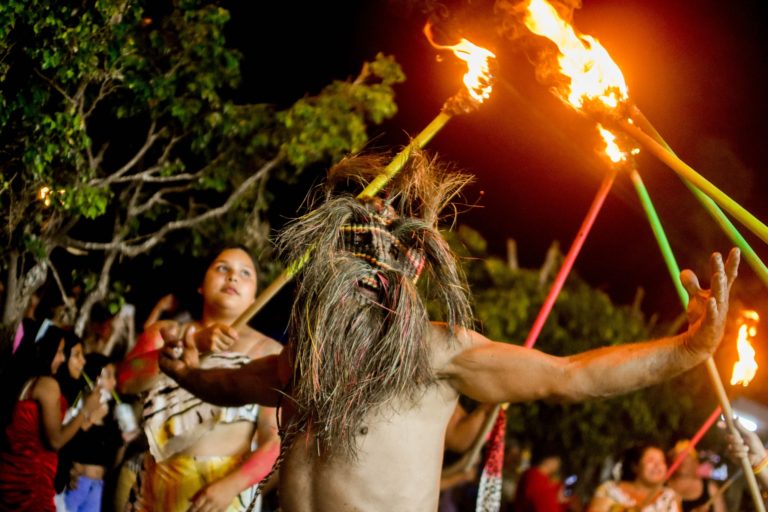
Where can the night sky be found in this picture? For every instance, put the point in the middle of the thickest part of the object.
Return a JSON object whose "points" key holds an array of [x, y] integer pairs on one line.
{"points": [[696, 68]]}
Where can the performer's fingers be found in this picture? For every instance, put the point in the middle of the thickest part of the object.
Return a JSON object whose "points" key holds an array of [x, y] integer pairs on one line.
{"points": [[732, 265], [719, 284], [690, 282]]}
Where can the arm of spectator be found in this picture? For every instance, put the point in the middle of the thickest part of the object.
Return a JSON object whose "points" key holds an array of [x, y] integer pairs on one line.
{"points": [[748, 444], [47, 393], [165, 304], [718, 505], [463, 428], [219, 494]]}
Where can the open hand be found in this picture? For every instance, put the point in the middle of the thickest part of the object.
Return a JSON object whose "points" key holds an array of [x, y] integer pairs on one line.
{"points": [[708, 309]]}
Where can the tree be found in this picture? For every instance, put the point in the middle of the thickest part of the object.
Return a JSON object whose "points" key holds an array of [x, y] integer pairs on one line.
{"points": [[507, 301], [117, 131]]}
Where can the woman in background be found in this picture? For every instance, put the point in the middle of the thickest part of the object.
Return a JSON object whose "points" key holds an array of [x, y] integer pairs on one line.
{"points": [[643, 469], [32, 413], [97, 450]]}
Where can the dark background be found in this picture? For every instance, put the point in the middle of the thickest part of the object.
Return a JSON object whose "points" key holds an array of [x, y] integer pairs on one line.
{"points": [[696, 68]]}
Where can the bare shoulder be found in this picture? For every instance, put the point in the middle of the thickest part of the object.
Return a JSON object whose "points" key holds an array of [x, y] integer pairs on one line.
{"points": [[259, 344], [447, 342], [45, 386]]}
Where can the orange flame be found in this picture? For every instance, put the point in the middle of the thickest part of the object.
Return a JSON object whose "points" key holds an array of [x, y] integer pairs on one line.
{"points": [[615, 154], [478, 75], [593, 74], [745, 368]]}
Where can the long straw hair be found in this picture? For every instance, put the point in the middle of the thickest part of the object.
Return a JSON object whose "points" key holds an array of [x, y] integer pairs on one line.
{"points": [[359, 325]]}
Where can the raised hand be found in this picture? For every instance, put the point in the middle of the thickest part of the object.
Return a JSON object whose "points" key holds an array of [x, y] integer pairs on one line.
{"points": [[708, 308]]}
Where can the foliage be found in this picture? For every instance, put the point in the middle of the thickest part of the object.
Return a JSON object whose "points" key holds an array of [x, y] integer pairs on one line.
{"points": [[589, 433], [118, 130]]}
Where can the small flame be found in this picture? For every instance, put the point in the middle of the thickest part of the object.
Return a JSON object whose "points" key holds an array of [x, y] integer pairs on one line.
{"points": [[478, 76], [611, 148], [593, 74], [745, 368]]}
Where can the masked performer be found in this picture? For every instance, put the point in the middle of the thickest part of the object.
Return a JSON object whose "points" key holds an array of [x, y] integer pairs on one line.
{"points": [[368, 383]]}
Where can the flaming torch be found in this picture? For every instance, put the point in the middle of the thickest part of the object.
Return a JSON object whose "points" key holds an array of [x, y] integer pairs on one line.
{"points": [[744, 371], [745, 368], [597, 87], [582, 56], [479, 83]]}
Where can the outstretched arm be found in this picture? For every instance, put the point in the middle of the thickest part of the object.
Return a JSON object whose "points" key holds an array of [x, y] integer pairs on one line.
{"points": [[497, 372], [257, 382]]}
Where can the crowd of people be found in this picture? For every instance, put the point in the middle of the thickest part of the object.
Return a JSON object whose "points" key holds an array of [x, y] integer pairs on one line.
{"points": [[354, 412]]}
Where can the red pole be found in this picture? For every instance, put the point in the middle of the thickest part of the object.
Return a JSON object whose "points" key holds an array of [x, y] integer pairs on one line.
{"points": [[694, 440], [570, 258]]}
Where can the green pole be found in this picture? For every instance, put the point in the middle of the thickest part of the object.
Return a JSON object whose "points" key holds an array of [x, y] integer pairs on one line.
{"points": [[753, 260], [714, 376]]}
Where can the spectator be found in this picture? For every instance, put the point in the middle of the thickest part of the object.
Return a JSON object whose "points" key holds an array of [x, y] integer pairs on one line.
{"points": [[694, 490], [540, 488], [643, 469], [201, 454], [95, 451], [32, 413]]}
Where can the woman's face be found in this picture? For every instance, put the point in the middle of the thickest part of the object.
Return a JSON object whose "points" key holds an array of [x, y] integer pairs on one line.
{"points": [[107, 377], [58, 358], [76, 361], [652, 467], [230, 281]]}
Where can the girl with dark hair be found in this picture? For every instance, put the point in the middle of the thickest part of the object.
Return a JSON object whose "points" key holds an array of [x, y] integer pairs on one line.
{"points": [[95, 451], [203, 456], [70, 373], [33, 409], [643, 469]]}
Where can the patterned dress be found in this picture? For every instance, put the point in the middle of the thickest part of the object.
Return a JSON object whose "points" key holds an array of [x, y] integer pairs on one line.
{"points": [[664, 502], [174, 420]]}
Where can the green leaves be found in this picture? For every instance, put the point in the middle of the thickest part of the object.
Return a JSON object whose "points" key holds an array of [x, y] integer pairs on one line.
{"points": [[334, 123], [123, 113]]}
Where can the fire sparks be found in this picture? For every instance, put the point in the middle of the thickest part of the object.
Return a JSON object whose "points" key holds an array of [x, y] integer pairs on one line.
{"points": [[613, 148], [478, 77], [615, 154], [745, 368], [593, 74]]}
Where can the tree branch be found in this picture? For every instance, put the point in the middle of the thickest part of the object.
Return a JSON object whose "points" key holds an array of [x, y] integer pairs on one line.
{"points": [[152, 137], [58, 89], [133, 250]]}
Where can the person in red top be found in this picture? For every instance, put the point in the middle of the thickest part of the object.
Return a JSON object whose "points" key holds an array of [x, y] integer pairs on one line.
{"points": [[539, 489], [32, 413]]}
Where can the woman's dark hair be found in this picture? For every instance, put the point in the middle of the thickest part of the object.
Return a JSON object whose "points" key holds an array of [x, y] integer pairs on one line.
{"points": [[631, 459], [95, 363], [70, 387], [33, 358]]}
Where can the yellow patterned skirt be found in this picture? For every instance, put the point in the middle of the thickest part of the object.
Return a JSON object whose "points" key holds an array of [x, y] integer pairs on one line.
{"points": [[169, 486]]}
